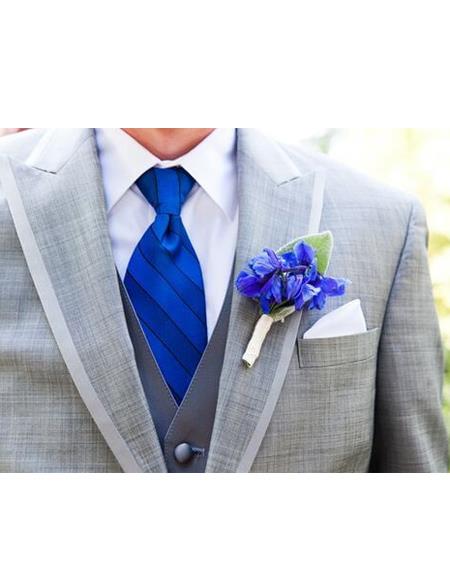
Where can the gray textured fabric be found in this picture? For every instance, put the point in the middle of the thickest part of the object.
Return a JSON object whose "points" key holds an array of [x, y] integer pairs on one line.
{"points": [[353, 404], [191, 422]]}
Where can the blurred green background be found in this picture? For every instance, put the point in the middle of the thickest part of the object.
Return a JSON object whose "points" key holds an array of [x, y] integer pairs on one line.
{"points": [[414, 160]]}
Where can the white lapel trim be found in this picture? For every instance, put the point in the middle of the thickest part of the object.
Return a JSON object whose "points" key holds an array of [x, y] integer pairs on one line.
{"points": [[58, 323], [288, 344]]}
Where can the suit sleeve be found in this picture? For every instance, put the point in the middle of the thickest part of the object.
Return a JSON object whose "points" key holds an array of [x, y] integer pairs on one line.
{"points": [[410, 434]]}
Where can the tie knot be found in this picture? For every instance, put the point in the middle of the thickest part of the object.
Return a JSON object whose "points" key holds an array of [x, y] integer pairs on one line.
{"points": [[166, 189]]}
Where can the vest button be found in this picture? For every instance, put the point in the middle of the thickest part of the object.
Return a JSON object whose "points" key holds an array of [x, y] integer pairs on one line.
{"points": [[183, 453]]}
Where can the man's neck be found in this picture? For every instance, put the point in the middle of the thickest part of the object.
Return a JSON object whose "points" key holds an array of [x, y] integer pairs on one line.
{"points": [[168, 144]]}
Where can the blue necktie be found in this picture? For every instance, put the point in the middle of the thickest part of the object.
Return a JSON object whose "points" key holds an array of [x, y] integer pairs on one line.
{"points": [[165, 284]]}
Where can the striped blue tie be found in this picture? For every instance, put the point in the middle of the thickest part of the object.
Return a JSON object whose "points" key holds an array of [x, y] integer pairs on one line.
{"points": [[165, 284]]}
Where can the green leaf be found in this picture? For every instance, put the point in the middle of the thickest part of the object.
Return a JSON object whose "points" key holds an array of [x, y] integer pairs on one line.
{"points": [[282, 312], [322, 243]]}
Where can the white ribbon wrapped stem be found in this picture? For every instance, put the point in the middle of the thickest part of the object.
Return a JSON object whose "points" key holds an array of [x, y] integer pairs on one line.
{"points": [[262, 327]]}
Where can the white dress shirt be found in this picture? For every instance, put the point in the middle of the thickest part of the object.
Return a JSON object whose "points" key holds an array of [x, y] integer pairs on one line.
{"points": [[210, 214]]}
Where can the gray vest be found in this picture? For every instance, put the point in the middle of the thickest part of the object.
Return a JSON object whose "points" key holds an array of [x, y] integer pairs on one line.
{"points": [[184, 431]]}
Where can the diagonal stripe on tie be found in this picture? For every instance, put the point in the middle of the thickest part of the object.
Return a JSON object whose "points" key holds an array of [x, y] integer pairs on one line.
{"points": [[175, 277], [168, 331], [182, 263], [176, 308], [165, 283]]}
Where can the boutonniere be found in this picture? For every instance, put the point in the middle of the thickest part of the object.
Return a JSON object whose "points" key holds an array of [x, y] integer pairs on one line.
{"points": [[286, 281]]}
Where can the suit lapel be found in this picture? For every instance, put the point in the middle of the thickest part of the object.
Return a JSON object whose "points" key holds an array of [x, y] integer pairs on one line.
{"points": [[275, 206], [58, 208]]}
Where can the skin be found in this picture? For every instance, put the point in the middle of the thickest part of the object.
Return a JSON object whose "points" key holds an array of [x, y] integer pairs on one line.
{"points": [[10, 131], [168, 144]]}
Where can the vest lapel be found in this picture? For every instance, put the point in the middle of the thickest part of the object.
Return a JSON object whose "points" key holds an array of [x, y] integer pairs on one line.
{"points": [[57, 203], [275, 206]]}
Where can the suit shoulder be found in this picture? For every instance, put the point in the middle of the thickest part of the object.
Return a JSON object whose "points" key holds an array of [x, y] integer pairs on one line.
{"points": [[351, 187], [20, 145]]}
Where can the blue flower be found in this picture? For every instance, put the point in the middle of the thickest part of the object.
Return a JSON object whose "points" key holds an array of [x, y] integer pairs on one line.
{"points": [[266, 263], [288, 279]]}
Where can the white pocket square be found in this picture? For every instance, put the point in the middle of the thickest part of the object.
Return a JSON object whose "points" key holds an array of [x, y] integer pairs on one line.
{"points": [[344, 321]]}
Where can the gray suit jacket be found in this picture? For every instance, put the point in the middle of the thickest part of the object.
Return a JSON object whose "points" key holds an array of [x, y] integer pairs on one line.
{"points": [[71, 399]]}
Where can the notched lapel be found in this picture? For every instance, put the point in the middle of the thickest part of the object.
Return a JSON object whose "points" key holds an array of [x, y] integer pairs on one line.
{"points": [[63, 203], [275, 206]]}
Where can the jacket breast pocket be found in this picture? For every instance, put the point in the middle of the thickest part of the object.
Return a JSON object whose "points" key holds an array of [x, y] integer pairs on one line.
{"points": [[330, 395], [334, 352]]}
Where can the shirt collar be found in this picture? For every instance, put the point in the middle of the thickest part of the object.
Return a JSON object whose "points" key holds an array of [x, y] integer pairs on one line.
{"points": [[212, 164]]}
